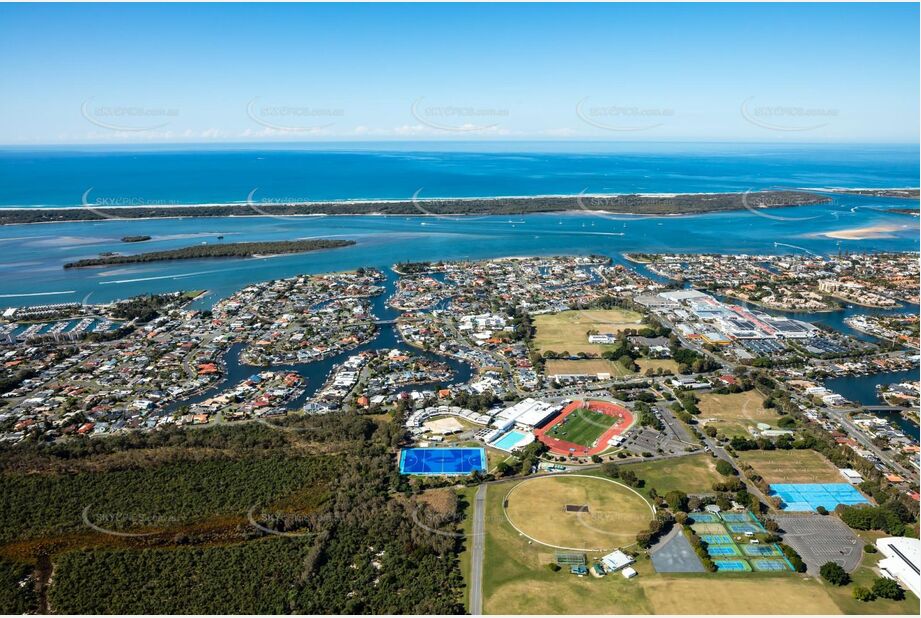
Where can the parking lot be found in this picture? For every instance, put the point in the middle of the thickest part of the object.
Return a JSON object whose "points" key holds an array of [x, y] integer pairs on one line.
{"points": [[648, 440], [820, 539], [764, 347]]}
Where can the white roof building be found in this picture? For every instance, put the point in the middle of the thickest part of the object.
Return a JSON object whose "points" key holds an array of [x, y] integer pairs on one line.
{"points": [[852, 476], [616, 560], [903, 557], [528, 413], [683, 295], [602, 338]]}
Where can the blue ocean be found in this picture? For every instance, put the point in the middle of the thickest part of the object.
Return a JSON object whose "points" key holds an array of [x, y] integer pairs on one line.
{"points": [[32, 256], [190, 175]]}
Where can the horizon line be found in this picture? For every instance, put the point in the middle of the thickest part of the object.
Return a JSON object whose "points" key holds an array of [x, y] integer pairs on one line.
{"points": [[597, 141]]}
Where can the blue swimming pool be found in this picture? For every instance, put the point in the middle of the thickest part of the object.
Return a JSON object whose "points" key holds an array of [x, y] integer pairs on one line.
{"points": [[442, 461], [507, 441]]}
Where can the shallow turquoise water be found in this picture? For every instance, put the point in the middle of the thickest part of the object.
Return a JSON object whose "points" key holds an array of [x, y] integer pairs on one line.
{"points": [[32, 256]]}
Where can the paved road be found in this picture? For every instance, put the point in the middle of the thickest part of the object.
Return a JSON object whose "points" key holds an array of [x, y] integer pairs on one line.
{"points": [[678, 429], [478, 540], [841, 415]]}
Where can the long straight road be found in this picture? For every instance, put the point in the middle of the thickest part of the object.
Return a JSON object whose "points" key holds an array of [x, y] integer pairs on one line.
{"points": [[478, 540]]}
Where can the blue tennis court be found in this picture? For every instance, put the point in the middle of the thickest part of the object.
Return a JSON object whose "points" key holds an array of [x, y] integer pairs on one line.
{"points": [[442, 461], [732, 565], [760, 550], [742, 528], [722, 550], [810, 496], [716, 539], [704, 518], [767, 564], [736, 517]]}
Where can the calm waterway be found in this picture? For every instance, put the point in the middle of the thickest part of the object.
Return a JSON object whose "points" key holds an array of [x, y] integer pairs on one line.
{"points": [[316, 373], [32, 256], [862, 389]]}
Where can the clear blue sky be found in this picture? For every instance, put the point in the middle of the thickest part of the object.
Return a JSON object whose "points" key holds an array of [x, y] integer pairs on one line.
{"points": [[198, 73]]}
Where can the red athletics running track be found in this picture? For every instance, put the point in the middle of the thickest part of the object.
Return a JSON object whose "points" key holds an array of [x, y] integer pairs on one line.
{"points": [[561, 447]]}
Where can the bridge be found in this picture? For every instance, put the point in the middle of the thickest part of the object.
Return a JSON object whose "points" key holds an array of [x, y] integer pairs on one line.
{"points": [[883, 409]]}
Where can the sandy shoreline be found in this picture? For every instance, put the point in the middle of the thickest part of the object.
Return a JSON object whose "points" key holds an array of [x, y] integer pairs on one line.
{"points": [[862, 233], [344, 202], [439, 199], [627, 205]]}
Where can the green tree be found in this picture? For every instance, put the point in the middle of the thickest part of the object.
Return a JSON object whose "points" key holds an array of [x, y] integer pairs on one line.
{"points": [[886, 588], [834, 574], [611, 469], [795, 559], [863, 594], [677, 500]]}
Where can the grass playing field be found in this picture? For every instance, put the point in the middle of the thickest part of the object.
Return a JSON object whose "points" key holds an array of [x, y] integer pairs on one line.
{"points": [[733, 414], [657, 363], [465, 500], [568, 330], [691, 474], [592, 366], [745, 593], [517, 581], [582, 426], [615, 513], [794, 466]]}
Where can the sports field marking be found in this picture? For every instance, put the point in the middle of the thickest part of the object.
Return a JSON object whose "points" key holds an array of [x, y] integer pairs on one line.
{"points": [[704, 518], [442, 461], [735, 566], [582, 426], [710, 528], [723, 550], [810, 496], [535, 509], [768, 564], [621, 420]]}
